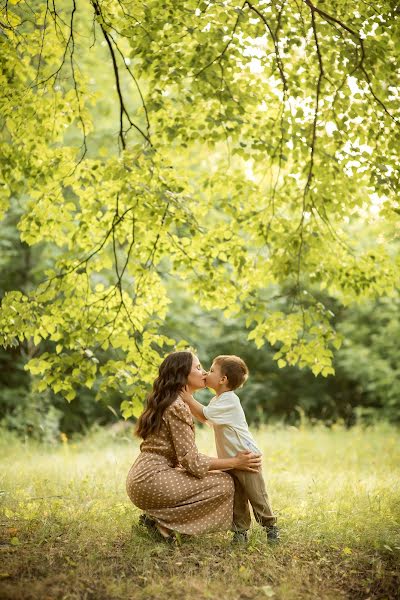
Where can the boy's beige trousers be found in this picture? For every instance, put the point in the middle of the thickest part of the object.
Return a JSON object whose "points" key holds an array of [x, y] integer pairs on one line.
{"points": [[250, 487]]}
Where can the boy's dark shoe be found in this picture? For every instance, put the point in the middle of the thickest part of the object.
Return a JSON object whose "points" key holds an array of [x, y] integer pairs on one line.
{"points": [[273, 534], [240, 537]]}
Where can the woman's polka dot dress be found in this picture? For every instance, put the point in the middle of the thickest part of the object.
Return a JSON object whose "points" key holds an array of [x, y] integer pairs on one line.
{"points": [[171, 482]]}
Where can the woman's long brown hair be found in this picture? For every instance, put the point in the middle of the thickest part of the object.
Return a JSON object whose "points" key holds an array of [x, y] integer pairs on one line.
{"points": [[172, 378]]}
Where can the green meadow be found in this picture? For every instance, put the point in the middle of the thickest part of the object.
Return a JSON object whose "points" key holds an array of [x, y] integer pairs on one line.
{"points": [[68, 530]]}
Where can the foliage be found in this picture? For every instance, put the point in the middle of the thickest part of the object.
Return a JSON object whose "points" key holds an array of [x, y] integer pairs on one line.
{"points": [[249, 134], [40, 415], [364, 388], [371, 357], [288, 394], [33, 416], [68, 527]]}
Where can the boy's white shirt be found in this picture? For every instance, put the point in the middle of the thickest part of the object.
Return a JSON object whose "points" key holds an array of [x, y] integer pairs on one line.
{"points": [[231, 431]]}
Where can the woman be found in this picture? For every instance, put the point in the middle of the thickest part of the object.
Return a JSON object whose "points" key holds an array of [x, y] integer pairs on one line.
{"points": [[178, 488]]}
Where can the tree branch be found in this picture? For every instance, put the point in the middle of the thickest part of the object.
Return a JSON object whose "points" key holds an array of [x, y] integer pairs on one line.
{"points": [[123, 110], [275, 42], [221, 54], [137, 86], [330, 19]]}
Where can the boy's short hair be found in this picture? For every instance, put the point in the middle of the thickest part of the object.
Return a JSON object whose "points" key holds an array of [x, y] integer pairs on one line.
{"points": [[234, 368]]}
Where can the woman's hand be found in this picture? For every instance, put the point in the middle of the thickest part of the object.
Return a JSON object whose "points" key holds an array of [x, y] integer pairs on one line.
{"points": [[248, 461]]}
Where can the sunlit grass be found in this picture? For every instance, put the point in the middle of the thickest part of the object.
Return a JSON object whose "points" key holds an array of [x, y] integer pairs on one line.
{"points": [[69, 530]]}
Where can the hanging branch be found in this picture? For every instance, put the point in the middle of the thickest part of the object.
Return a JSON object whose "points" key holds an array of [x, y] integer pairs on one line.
{"points": [[306, 190], [279, 147], [316, 109], [279, 62], [221, 54], [76, 88], [134, 79], [333, 20], [85, 261], [123, 110]]}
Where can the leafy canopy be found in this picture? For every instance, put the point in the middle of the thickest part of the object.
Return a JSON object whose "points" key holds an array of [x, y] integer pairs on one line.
{"points": [[228, 144]]}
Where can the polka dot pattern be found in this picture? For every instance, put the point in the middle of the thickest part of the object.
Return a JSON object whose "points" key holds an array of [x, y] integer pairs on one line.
{"points": [[171, 482]]}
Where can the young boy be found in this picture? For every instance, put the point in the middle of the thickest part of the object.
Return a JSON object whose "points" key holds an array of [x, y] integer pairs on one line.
{"points": [[232, 435]]}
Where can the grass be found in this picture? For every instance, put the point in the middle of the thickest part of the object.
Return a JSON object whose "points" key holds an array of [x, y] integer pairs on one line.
{"points": [[68, 530]]}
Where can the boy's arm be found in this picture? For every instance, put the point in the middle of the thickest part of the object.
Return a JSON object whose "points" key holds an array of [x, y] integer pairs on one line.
{"points": [[195, 407]]}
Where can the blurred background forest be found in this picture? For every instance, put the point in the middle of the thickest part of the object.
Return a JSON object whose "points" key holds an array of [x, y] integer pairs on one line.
{"points": [[366, 384]]}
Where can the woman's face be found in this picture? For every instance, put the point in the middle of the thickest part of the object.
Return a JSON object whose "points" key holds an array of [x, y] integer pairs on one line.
{"points": [[196, 379]]}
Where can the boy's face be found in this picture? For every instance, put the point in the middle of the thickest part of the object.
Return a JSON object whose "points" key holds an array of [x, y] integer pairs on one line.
{"points": [[214, 377]]}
